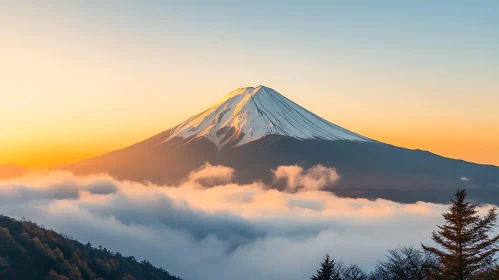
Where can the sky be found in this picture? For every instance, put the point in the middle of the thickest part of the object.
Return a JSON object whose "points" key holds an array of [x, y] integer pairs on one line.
{"points": [[81, 78]]}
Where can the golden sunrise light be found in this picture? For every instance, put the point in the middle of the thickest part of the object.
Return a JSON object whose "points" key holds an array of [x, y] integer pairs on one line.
{"points": [[276, 140], [73, 89]]}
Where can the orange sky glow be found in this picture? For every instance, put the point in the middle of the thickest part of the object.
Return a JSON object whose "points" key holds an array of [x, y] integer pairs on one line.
{"points": [[77, 82]]}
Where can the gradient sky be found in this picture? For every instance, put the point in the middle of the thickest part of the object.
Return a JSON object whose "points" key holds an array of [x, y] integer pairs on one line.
{"points": [[80, 78]]}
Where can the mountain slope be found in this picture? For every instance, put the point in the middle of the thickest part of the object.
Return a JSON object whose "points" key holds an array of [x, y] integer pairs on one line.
{"points": [[30, 252], [237, 132]]}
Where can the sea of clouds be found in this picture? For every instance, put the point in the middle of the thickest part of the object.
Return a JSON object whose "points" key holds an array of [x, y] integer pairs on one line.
{"points": [[224, 231]]}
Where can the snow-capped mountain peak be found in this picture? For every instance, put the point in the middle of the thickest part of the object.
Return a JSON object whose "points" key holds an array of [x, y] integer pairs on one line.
{"points": [[249, 113]]}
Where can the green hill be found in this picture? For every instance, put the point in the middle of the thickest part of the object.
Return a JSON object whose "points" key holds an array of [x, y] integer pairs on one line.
{"points": [[28, 251]]}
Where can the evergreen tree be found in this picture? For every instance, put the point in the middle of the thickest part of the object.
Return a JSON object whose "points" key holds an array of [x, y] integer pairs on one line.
{"points": [[466, 250], [329, 270]]}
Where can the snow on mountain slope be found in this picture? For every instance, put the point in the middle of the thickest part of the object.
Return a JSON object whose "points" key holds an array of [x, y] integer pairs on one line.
{"points": [[247, 114]]}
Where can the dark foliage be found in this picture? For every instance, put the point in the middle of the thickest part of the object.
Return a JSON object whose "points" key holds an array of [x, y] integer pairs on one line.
{"points": [[405, 263], [329, 270], [353, 272], [466, 250], [333, 270], [28, 251]]}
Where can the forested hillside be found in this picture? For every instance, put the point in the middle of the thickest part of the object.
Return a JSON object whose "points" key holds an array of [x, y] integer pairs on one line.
{"points": [[28, 251]]}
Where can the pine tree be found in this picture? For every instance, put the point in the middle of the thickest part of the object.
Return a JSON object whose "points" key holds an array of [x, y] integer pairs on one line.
{"points": [[329, 270], [466, 248]]}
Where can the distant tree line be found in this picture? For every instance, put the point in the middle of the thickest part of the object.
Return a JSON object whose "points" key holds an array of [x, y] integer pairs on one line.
{"points": [[465, 251], [28, 251]]}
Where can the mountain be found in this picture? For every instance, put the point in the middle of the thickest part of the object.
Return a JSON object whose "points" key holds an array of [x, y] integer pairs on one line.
{"points": [[255, 130], [28, 251], [248, 114]]}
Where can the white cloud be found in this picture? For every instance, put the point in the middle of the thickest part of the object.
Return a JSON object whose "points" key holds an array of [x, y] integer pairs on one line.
{"points": [[211, 175], [227, 231], [314, 178]]}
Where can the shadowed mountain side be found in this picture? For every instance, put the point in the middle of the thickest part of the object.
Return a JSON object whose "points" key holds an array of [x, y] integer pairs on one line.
{"points": [[367, 169], [167, 163], [370, 170]]}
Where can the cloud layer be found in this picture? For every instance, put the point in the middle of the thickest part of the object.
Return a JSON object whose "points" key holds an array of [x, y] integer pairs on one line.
{"points": [[314, 178], [224, 231]]}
